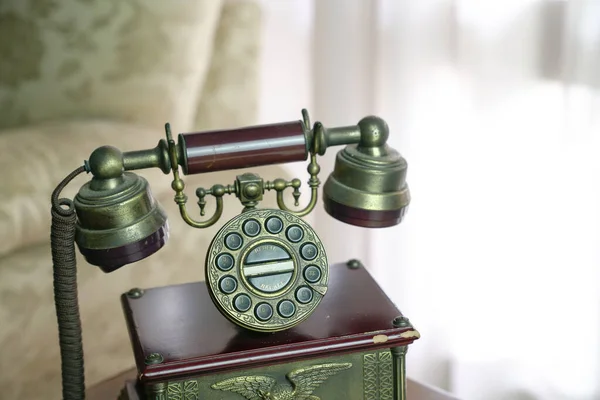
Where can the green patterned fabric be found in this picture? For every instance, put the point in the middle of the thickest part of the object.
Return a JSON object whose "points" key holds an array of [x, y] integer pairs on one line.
{"points": [[140, 61]]}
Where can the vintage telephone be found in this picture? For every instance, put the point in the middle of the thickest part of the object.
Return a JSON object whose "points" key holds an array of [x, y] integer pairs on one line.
{"points": [[266, 269]]}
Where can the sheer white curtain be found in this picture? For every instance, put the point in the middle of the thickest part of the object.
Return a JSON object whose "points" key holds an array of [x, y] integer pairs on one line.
{"points": [[496, 107]]}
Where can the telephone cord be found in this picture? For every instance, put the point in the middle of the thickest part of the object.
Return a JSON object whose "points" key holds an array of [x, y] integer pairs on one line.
{"points": [[62, 238]]}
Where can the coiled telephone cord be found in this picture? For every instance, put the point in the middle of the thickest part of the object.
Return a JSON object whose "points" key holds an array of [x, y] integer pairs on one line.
{"points": [[62, 238]]}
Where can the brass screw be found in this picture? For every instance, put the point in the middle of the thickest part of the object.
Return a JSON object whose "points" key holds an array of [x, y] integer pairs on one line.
{"points": [[354, 264], [400, 322], [154, 358], [135, 293]]}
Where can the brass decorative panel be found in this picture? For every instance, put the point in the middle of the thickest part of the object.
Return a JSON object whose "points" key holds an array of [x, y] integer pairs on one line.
{"points": [[327, 378], [377, 376], [301, 383], [183, 390]]}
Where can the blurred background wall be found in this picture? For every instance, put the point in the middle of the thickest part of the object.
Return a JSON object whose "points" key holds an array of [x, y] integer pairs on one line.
{"points": [[495, 106]]}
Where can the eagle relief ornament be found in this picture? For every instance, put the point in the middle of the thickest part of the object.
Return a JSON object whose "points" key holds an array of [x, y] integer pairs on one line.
{"points": [[302, 383]]}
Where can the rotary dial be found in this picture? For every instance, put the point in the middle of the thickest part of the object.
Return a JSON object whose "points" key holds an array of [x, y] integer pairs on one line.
{"points": [[266, 270]]}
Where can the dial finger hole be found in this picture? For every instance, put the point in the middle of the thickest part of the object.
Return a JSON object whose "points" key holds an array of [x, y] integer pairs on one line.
{"points": [[233, 241], [294, 233], [286, 308], [274, 225], [304, 294], [312, 274], [309, 251], [251, 227], [224, 261], [263, 311], [228, 284], [242, 302]]}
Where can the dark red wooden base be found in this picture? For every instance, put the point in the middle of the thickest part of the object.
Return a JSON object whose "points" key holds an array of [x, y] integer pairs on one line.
{"points": [[193, 339]]}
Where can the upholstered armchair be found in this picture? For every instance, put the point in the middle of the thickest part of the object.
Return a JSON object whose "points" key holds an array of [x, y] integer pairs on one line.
{"points": [[75, 75]]}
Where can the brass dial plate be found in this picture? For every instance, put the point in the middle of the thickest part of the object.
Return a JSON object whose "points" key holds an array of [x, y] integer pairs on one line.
{"points": [[266, 270]]}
